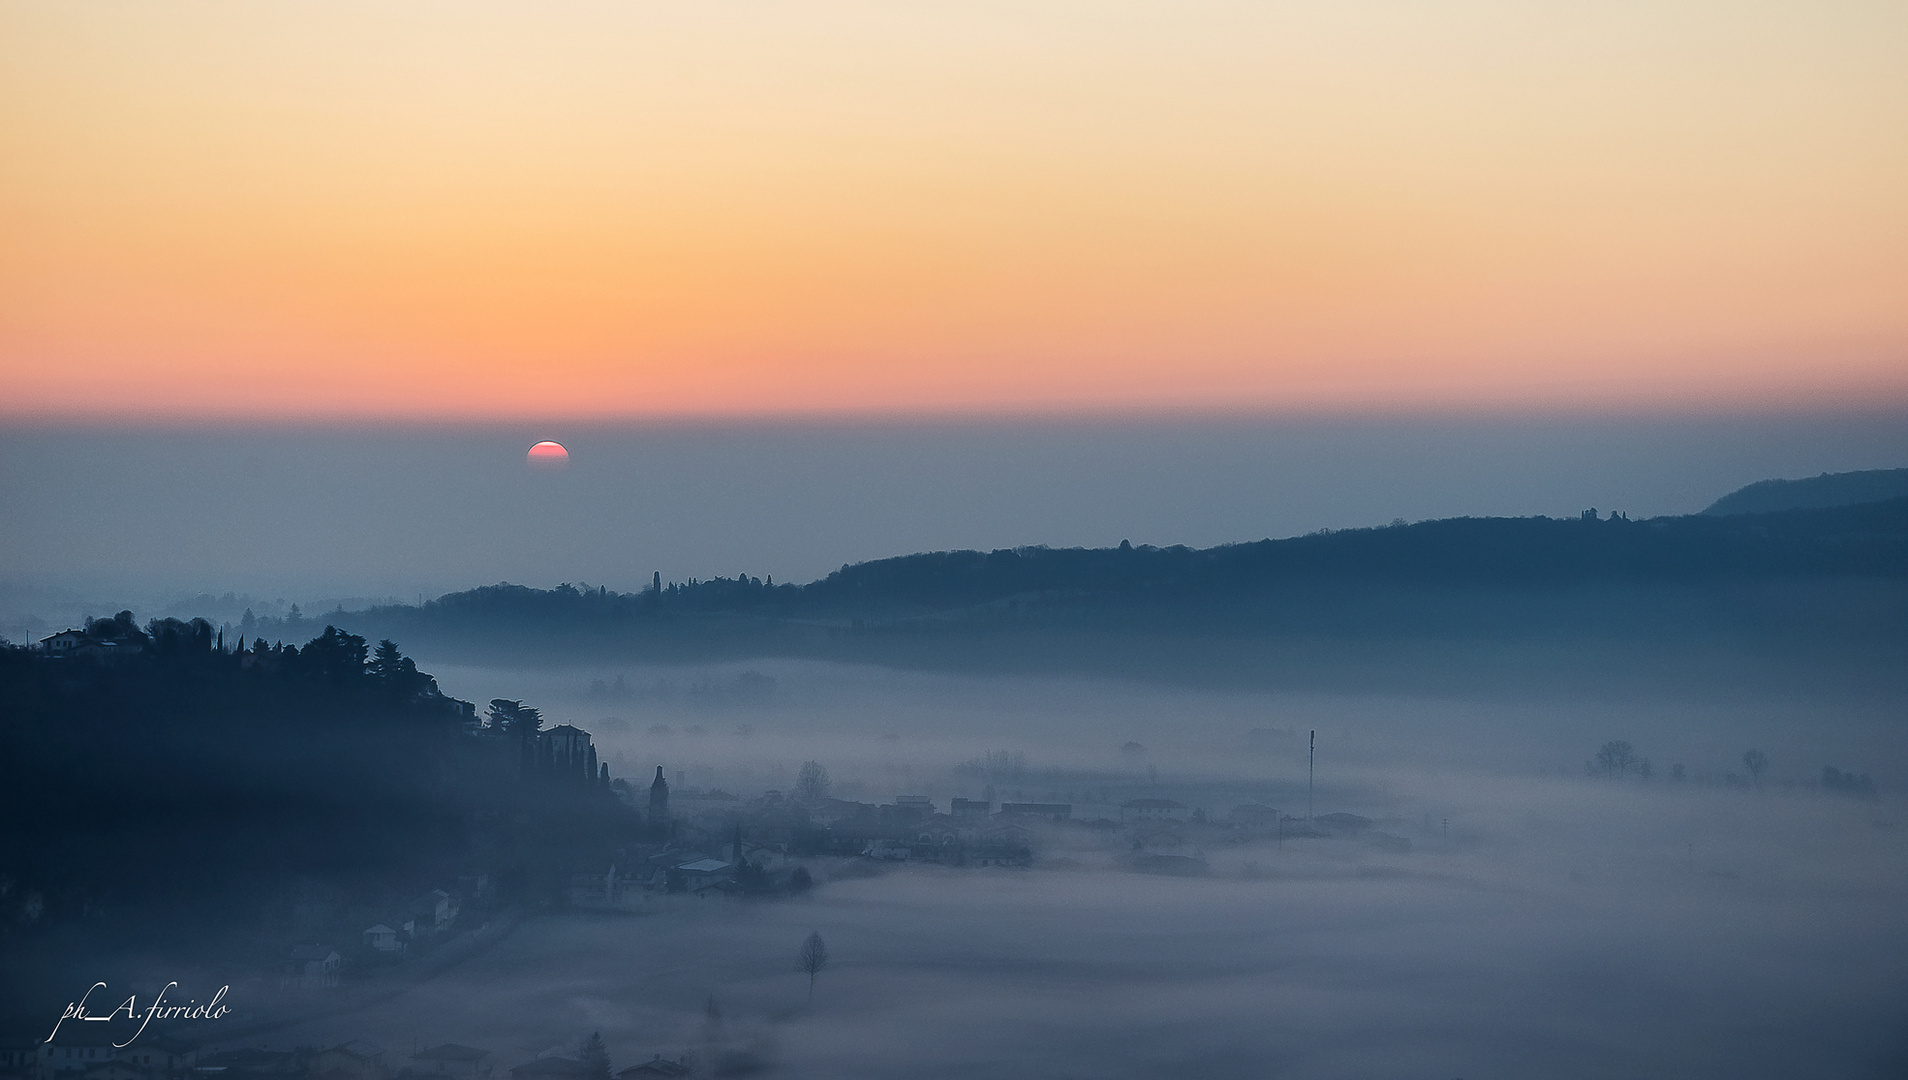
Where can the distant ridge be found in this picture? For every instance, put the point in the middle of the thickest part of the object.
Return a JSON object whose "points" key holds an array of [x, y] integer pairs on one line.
{"points": [[1815, 493], [1387, 581], [1811, 599]]}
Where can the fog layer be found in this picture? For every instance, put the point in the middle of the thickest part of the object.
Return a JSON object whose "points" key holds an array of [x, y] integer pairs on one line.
{"points": [[1539, 921]]}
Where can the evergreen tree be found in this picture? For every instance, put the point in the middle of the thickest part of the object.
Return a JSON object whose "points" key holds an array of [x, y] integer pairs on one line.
{"points": [[595, 1058], [387, 664], [513, 718]]}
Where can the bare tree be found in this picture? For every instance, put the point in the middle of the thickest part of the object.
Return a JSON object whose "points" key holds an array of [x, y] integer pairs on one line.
{"points": [[812, 959], [811, 784], [1005, 764], [1755, 761]]}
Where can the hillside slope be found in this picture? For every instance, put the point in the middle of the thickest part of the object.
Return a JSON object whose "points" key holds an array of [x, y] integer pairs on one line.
{"points": [[1816, 492]]}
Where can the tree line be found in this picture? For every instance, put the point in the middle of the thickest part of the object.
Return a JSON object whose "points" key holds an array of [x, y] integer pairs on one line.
{"points": [[1252, 580], [192, 782]]}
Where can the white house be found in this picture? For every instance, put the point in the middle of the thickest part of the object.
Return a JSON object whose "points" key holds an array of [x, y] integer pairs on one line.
{"points": [[1254, 818], [384, 938], [435, 911], [313, 967], [64, 642], [74, 1050], [159, 1054]]}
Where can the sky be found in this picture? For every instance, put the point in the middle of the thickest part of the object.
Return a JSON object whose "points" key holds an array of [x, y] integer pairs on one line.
{"points": [[637, 210], [287, 291], [102, 517]]}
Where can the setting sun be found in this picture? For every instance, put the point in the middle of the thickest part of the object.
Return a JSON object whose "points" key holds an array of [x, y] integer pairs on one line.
{"points": [[548, 455]]}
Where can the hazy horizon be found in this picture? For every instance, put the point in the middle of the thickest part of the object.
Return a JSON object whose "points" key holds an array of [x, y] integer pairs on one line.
{"points": [[288, 293], [321, 513]]}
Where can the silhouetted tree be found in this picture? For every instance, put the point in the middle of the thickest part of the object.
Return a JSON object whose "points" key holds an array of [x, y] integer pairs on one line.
{"points": [[812, 959], [811, 784], [335, 656], [1755, 761], [398, 673], [595, 1058], [118, 628], [173, 639], [1616, 756], [513, 718], [1834, 779], [386, 661]]}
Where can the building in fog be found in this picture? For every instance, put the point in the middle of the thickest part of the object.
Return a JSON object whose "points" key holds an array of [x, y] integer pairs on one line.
{"points": [[656, 1068], [1048, 811], [434, 912], [1154, 810], [567, 749], [1254, 818], [312, 967], [659, 798], [385, 938], [453, 1060], [350, 1061]]}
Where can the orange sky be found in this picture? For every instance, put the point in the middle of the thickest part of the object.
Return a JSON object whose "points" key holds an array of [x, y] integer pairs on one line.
{"points": [[589, 209]]}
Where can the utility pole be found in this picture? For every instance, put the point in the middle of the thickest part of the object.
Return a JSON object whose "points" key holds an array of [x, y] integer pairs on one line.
{"points": [[1311, 753]]}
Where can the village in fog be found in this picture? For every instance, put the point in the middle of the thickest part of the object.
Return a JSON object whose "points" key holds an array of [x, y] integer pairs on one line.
{"points": [[1085, 896], [617, 540]]}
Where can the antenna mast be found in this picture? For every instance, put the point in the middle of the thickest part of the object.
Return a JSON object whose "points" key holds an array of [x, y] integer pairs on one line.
{"points": [[1311, 752]]}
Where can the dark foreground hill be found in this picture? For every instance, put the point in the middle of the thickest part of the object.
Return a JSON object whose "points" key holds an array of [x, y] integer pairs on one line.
{"points": [[224, 802], [1585, 599], [1816, 492]]}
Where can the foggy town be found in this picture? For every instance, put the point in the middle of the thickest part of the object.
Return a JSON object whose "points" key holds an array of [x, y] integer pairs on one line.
{"points": [[835, 540]]}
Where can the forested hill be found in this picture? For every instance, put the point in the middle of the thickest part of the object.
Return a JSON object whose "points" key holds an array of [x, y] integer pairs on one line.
{"points": [[186, 791], [1828, 489], [1477, 575]]}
